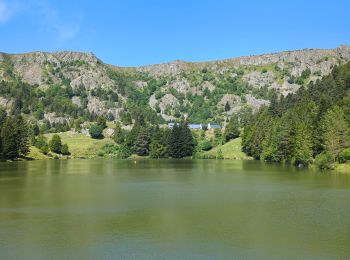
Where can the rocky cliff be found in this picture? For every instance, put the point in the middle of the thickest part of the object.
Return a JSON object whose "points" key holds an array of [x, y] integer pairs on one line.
{"points": [[171, 89]]}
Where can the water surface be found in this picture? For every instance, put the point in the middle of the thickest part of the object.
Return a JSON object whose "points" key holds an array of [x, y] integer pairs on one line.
{"points": [[206, 209]]}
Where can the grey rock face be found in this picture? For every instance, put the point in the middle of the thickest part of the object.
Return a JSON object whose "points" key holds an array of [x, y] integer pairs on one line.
{"points": [[259, 79], [85, 71]]}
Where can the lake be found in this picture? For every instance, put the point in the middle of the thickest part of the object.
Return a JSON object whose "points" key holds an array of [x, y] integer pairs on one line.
{"points": [[168, 209]]}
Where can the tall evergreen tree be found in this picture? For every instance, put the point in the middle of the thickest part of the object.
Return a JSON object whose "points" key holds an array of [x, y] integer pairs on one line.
{"points": [[174, 144], [22, 133], [159, 144], [118, 136], [303, 145], [271, 144], [187, 140], [9, 140], [55, 144], [336, 132], [142, 142], [181, 143], [132, 136], [3, 116], [232, 129]]}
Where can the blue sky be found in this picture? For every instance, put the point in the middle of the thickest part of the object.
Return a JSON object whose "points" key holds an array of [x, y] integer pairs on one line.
{"points": [[131, 32]]}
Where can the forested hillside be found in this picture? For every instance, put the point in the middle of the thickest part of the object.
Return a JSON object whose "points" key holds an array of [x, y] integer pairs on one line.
{"points": [[63, 89], [312, 125], [77, 92]]}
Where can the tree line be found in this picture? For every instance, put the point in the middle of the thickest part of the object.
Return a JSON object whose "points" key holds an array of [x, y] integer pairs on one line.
{"points": [[151, 140], [310, 126], [14, 136], [145, 139]]}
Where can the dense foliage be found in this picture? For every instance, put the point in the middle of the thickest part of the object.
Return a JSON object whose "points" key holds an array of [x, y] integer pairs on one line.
{"points": [[14, 136], [313, 123]]}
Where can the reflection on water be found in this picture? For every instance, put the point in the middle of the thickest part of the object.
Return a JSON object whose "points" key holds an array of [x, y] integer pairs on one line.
{"points": [[90, 209]]}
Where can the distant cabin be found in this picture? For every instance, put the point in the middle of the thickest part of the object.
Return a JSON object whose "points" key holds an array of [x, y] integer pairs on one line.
{"points": [[214, 126], [198, 126]]}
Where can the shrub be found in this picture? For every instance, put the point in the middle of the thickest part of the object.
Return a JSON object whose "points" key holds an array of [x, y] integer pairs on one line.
{"points": [[205, 145], [40, 141], [65, 150], [109, 148], [123, 152], [95, 131], [44, 149], [100, 153], [219, 155], [344, 156], [101, 121], [55, 144], [324, 161]]}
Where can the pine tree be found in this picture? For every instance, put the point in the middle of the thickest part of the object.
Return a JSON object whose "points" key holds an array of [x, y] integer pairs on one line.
{"points": [[118, 136], [159, 145], [270, 147], [132, 136], [9, 140], [141, 146], [3, 116], [174, 143], [302, 145], [232, 129], [187, 141], [55, 144], [336, 133], [22, 134]]}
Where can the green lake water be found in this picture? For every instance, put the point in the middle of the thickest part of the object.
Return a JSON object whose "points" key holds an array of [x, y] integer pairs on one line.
{"points": [[195, 209]]}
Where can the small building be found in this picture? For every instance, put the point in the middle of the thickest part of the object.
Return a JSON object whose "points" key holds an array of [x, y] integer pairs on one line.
{"points": [[195, 126], [171, 125], [199, 126], [214, 126]]}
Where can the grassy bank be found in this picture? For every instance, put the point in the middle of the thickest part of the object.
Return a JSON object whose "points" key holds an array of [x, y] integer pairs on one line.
{"points": [[229, 150], [80, 145], [343, 168]]}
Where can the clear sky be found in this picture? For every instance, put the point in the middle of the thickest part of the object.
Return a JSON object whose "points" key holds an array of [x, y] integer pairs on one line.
{"points": [[131, 32]]}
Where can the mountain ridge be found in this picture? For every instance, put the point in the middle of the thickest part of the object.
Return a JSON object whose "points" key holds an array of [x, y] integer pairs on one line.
{"points": [[179, 61], [202, 91]]}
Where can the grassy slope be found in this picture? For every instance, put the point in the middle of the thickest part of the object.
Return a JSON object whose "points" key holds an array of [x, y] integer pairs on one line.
{"points": [[35, 153], [79, 145], [343, 168], [230, 150]]}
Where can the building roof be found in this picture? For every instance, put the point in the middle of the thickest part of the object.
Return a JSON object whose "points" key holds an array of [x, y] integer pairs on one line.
{"points": [[214, 125], [198, 126]]}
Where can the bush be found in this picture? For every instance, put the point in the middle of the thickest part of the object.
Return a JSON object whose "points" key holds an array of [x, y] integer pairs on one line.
{"points": [[109, 148], [344, 156], [100, 153], [324, 161], [40, 141], [123, 152], [55, 144], [65, 150], [44, 149], [205, 145], [219, 155], [101, 121], [95, 131]]}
